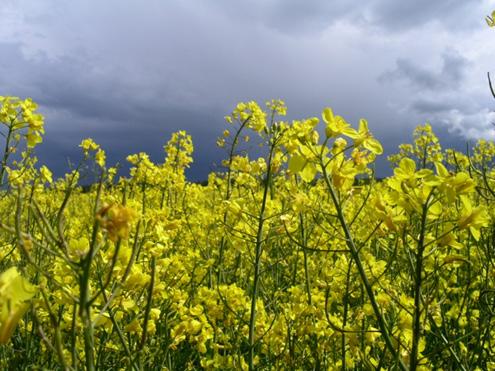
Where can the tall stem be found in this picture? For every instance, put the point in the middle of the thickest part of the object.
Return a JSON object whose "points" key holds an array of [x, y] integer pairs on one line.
{"points": [[364, 278], [417, 291], [257, 261], [228, 191], [85, 295]]}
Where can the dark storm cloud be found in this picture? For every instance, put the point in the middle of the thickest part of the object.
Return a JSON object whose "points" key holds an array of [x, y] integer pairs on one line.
{"points": [[64, 83], [64, 132], [77, 103], [129, 75]]}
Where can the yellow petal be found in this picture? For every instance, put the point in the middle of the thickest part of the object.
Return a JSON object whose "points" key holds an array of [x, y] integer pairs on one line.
{"points": [[373, 145], [327, 115], [296, 163], [308, 173]]}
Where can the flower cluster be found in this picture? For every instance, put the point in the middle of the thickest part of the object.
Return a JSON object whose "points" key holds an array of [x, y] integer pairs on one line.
{"points": [[298, 258]]}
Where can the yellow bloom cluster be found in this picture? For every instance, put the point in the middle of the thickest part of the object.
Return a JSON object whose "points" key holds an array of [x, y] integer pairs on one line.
{"points": [[116, 220], [295, 259]]}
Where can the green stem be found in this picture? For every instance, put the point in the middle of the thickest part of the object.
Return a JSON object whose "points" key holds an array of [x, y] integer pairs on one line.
{"points": [[257, 262], [85, 295], [85, 304], [228, 191], [364, 278], [417, 291], [346, 311]]}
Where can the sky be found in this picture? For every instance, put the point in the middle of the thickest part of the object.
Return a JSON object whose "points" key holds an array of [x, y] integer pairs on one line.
{"points": [[129, 73]]}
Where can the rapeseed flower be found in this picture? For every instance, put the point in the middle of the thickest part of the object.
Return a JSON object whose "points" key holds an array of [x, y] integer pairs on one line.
{"points": [[15, 291]]}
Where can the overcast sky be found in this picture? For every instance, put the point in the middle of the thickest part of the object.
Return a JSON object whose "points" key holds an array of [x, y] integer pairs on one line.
{"points": [[130, 72]]}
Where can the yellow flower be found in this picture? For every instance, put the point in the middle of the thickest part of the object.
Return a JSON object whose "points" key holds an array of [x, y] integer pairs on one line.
{"points": [[133, 327], [221, 142], [454, 184], [365, 138], [88, 145], [472, 218], [15, 291], [300, 165], [406, 172], [252, 112], [278, 106], [336, 125], [33, 138], [490, 20], [100, 158], [343, 174], [46, 174], [116, 220]]}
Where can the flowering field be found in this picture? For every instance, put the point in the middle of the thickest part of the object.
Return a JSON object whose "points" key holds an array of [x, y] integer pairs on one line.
{"points": [[297, 260]]}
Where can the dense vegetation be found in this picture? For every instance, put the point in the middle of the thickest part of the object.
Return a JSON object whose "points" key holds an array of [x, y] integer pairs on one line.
{"points": [[279, 262]]}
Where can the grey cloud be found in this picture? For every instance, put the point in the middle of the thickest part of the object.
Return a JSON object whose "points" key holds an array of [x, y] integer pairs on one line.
{"points": [[427, 106], [75, 85], [78, 103], [450, 76], [454, 67], [415, 75], [440, 103], [297, 16], [130, 75], [64, 131], [403, 15], [287, 16]]}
